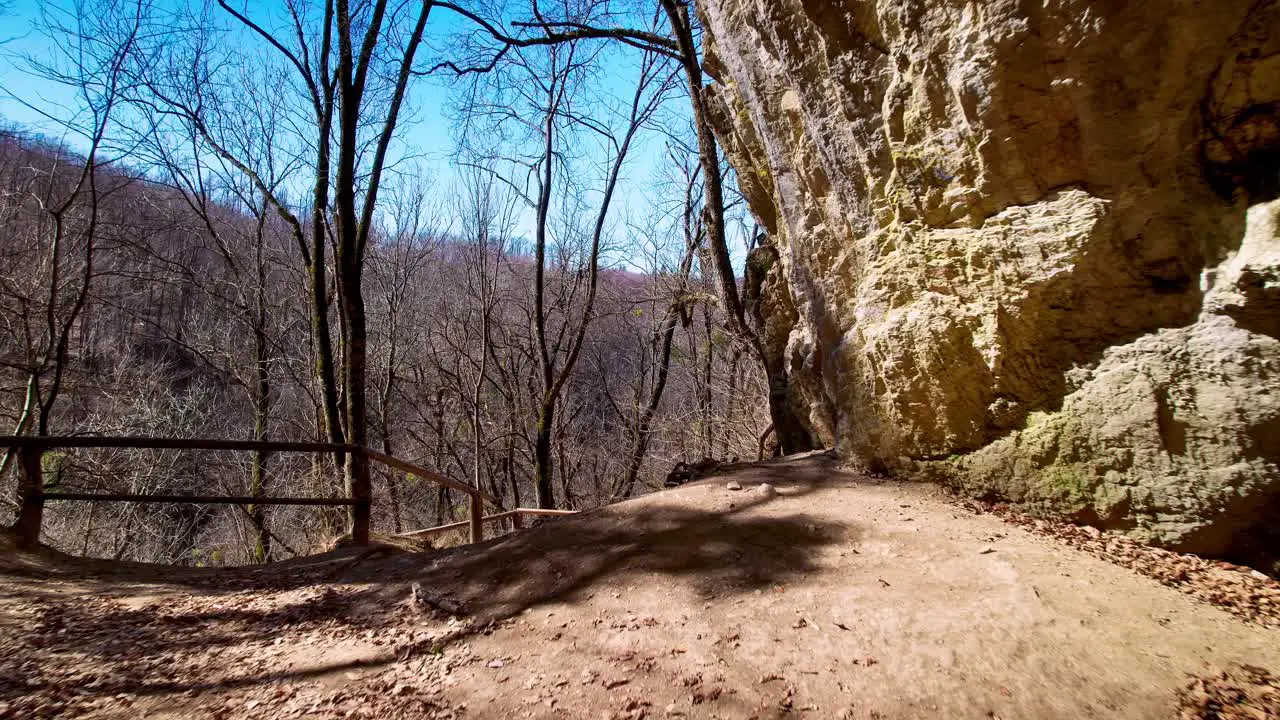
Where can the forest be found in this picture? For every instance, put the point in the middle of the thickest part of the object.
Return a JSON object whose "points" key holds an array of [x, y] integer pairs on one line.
{"points": [[227, 230]]}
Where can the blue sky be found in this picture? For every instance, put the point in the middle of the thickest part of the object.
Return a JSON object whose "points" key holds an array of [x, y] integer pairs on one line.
{"points": [[17, 35], [429, 136]]}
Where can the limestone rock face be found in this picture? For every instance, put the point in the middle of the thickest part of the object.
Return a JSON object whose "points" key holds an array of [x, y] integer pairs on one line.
{"points": [[1030, 247]]}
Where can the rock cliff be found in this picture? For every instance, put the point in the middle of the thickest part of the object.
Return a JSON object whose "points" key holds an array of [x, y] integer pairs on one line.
{"points": [[1031, 249]]}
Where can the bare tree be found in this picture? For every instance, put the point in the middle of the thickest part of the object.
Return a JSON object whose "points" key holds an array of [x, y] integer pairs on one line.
{"points": [[352, 67], [553, 71], [681, 41], [678, 311], [92, 63], [399, 259], [279, 254], [488, 226]]}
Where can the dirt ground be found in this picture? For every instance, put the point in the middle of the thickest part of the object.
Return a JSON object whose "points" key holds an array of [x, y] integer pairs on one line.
{"points": [[837, 596]]}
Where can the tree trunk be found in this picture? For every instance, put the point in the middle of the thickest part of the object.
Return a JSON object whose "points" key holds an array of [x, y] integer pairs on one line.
{"points": [[790, 431], [730, 402], [354, 371], [393, 482], [706, 404], [644, 429], [261, 549], [791, 434], [509, 467], [543, 470]]}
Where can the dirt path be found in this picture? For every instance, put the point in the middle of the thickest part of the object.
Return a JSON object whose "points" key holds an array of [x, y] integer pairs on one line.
{"points": [[840, 597]]}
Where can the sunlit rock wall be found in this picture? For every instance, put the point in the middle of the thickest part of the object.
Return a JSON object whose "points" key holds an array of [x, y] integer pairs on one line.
{"points": [[1028, 244]]}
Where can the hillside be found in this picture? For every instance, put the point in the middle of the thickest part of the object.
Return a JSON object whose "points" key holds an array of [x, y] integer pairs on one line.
{"points": [[837, 595], [199, 329]]}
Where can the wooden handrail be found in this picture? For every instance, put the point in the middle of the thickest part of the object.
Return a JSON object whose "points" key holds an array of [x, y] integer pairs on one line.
{"points": [[478, 496], [154, 443], [199, 499], [33, 496], [517, 514], [431, 475]]}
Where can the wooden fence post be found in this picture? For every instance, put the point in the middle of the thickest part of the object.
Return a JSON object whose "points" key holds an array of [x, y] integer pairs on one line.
{"points": [[362, 493], [517, 521], [31, 492], [477, 518]]}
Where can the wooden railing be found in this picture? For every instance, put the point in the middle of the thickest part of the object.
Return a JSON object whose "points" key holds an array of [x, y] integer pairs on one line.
{"points": [[517, 517], [32, 494]]}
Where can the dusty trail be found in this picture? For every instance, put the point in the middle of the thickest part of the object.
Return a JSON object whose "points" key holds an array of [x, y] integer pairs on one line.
{"points": [[842, 596]]}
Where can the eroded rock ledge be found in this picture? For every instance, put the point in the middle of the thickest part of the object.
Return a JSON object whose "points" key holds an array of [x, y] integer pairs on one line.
{"points": [[1033, 249]]}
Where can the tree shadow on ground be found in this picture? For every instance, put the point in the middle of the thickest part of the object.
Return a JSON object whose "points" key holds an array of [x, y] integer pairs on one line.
{"points": [[707, 539], [714, 541]]}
